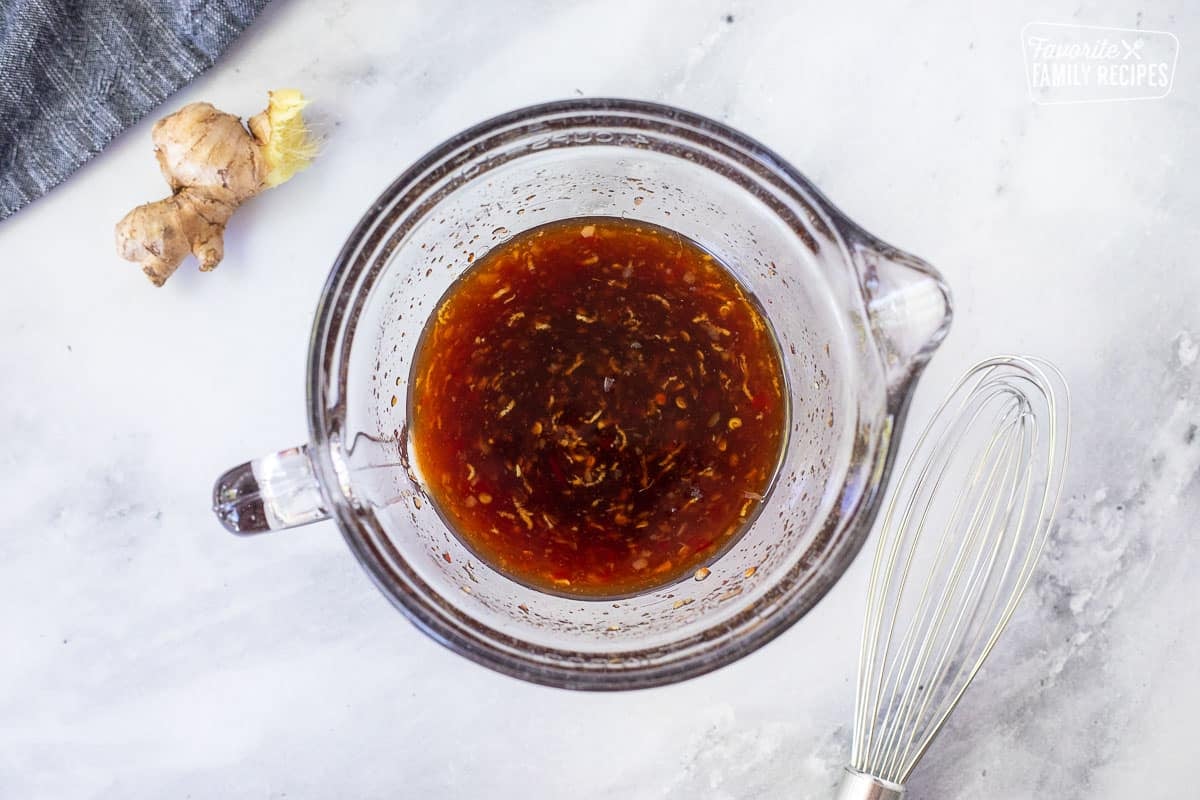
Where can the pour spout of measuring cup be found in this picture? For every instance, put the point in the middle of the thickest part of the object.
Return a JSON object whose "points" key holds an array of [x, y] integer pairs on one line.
{"points": [[907, 301]]}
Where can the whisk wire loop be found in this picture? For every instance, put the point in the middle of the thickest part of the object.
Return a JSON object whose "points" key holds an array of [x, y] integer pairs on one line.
{"points": [[960, 539]]}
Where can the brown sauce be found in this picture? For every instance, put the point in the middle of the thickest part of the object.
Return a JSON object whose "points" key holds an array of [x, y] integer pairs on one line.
{"points": [[597, 407]]}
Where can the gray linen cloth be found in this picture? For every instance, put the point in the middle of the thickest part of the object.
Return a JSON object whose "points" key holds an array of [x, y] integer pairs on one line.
{"points": [[75, 74]]}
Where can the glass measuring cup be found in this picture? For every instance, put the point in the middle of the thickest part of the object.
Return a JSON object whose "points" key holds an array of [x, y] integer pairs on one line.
{"points": [[855, 319]]}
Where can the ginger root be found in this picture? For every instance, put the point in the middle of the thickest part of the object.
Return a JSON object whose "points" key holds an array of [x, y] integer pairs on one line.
{"points": [[213, 165]]}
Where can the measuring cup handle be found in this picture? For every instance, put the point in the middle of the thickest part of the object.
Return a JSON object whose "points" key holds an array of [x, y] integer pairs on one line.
{"points": [[269, 493]]}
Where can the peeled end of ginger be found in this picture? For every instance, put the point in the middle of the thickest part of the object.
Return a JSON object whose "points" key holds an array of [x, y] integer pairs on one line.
{"points": [[286, 143]]}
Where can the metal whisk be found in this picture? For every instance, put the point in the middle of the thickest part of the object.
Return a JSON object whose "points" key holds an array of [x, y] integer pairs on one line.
{"points": [[963, 530]]}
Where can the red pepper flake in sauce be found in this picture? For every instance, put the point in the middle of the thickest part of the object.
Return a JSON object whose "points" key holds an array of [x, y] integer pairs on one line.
{"points": [[596, 433]]}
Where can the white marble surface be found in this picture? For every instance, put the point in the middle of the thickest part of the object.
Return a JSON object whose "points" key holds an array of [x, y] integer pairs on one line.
{"points": [[147, 654]]}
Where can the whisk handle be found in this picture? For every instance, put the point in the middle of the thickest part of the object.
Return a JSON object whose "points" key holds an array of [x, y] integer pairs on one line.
{"points": [[861, 786]]}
